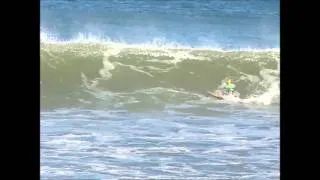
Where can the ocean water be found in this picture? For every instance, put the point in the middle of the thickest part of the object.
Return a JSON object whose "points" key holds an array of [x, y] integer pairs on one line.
{"points": [[124, 82]]}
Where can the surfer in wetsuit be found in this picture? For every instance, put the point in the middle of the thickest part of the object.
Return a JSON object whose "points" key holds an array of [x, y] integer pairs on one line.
{"points": [[229, 88]]}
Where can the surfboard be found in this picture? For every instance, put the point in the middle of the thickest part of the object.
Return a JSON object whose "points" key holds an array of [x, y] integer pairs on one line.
{"points": [[215, 95]]}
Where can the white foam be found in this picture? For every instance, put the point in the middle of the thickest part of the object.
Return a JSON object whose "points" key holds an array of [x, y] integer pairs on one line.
{"points": [[107, 65], [68, 143], [104, 71], [53, 171], [270, 80], [156, 43], [134, 68]]}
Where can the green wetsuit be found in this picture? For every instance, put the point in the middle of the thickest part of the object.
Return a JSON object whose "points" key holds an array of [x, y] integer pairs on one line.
{"points": [[230, 88]]}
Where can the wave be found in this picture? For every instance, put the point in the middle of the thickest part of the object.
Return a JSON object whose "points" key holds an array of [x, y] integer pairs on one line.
{"points": [[84, 70]]}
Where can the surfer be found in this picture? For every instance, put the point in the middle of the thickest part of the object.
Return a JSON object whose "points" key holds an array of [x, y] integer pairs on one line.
{"points": [[228, 91], [229, 87]]}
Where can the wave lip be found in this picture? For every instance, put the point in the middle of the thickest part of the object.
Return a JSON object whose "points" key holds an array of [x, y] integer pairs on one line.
{"points": [[155, 43]]}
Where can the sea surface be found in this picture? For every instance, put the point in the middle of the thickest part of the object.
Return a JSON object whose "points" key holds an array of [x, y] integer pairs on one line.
{"points": [[124, 89]]}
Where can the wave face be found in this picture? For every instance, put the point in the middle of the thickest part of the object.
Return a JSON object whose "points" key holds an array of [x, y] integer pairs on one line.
{"points": [[82, 73]]}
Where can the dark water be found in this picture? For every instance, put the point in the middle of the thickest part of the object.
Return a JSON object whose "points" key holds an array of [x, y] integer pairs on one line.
{"points": [[123, 89]]}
